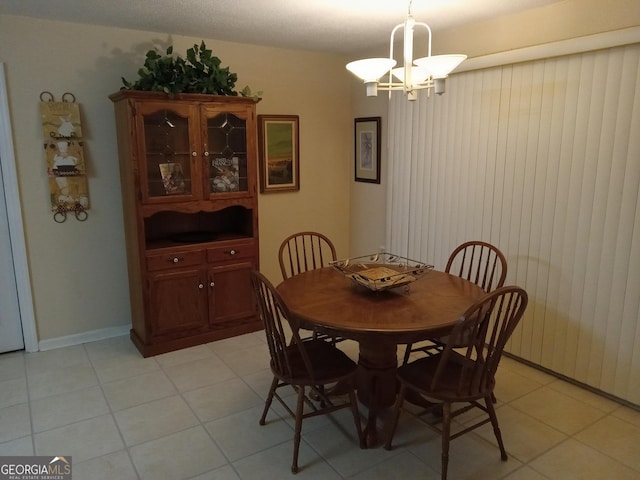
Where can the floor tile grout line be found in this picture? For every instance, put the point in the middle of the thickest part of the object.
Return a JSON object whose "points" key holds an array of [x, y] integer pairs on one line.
{"points": [[113, 418], [26, 380], [550, 448], [523, 463], [614, 413], [201, 423], [602, 452], [572, 436], [521, 467]]}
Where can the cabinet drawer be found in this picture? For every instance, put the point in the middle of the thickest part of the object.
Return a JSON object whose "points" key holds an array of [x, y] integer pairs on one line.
{"points": [[231, 252], [174, 260]]}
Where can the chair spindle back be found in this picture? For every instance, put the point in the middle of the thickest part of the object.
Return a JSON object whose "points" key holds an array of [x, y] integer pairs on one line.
{"points": [[305, 251], [480, 263], [488, 325]]}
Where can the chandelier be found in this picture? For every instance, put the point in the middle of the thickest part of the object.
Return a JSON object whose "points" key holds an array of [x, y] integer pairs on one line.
{"points": [[427, 72]]}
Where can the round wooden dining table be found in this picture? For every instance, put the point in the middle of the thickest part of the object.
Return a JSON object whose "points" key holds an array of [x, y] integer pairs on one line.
{"points": [[327, 300]]}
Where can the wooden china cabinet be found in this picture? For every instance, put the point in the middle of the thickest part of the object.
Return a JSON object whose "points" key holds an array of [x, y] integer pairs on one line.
{"points": [[188, 168]]}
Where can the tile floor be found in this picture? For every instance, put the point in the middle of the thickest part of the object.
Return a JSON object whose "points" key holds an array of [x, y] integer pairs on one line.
{"points": [[193, 414]]}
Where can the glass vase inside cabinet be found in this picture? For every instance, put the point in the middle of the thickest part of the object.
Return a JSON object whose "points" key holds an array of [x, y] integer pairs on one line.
{"points": [[168, 153], [226, 154]]}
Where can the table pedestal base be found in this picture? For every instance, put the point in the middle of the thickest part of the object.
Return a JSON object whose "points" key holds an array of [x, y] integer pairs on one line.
{"points": [[376, 383]]}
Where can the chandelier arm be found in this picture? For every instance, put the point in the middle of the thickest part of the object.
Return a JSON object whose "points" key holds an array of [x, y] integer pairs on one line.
{"points": [[391, 38], [400, 86], [422, 24]]}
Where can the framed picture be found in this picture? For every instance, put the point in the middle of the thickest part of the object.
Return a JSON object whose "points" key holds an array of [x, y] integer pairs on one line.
{"points": [[279, 153], [367, 151]]}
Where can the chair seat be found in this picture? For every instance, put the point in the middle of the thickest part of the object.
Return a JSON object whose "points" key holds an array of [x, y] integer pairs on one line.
{"points": [[328, 363], [419, 376]]}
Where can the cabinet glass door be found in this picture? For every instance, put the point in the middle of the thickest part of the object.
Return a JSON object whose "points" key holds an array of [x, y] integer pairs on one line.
{"points": [[226, 154], [167, 170]]}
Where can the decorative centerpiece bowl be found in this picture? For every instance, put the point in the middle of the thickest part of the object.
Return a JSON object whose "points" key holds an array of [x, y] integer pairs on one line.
{"points": [[382, 271]]}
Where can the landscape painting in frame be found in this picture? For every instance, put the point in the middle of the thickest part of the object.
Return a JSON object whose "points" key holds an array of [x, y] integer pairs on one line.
{"points": [[279, 149]]}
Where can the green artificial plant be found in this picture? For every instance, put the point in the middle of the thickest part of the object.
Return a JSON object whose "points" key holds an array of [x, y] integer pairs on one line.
{"points": [[200, 72]]}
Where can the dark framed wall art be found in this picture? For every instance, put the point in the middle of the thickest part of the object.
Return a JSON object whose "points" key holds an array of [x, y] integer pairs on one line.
{"points": [[279, 153], [367, 149]]}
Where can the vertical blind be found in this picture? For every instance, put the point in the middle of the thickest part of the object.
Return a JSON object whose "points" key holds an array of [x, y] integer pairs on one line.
{"points": [[541, 159]]}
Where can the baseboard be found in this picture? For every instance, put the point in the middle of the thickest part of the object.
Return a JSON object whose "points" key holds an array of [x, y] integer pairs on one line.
{"points": [[597, 391], [80, 338]]}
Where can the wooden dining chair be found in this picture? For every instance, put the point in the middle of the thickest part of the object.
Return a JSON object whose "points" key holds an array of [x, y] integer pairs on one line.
{"points": [[465, 377], [478, 262], [307, 366], [304, 251]]}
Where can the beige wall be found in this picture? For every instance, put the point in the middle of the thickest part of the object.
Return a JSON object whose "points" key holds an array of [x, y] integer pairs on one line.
{"points": [[558, 21], [78, 270]]}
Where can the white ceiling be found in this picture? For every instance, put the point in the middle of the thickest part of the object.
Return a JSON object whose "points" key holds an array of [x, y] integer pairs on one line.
{"points": [[339, 26]]}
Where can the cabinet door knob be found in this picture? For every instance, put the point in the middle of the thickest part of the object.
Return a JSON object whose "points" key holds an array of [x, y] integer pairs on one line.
{"points": [[194, 154], [200, 286], [176, 259], [232, 252], [212, 284]]}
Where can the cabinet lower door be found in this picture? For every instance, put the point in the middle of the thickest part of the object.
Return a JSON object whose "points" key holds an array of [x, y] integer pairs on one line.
{"points": [[178, 303], [232, 297]]}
